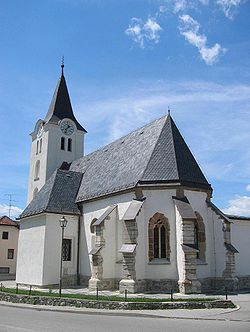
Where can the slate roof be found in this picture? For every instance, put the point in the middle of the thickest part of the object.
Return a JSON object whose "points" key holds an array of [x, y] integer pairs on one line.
{"points": [[60, 106], [57, 195], [6, 221], [155, 153]]}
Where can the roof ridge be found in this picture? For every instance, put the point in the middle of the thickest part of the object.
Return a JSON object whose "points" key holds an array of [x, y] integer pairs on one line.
{"points": [[149, 159], [173, 143]]}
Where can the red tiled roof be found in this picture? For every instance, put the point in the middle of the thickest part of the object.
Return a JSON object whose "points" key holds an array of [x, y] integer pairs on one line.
{"points": [[4, 220]]}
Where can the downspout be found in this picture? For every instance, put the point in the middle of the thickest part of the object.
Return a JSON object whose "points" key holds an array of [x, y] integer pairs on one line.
{"points": [[78, 251]]}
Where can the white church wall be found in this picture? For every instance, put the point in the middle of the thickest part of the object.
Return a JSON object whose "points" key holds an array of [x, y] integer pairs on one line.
{"points": [[109, 252], [34, 158], [53, 248], [94, 209], [240, 232], [214, 264], [156, 201], [55, 155], [30, 253]]}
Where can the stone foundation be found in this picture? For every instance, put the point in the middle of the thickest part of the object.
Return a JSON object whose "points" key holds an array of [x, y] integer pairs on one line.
{"points": [[103, 284], [244, 283], [219, 284]]}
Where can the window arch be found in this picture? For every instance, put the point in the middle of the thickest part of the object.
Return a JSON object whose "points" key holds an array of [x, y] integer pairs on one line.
{"points": [[37, 146], [70, 144], [37, 170], [62, 143], [158, 237], [35, 192], [200, 236], [40, 146]]}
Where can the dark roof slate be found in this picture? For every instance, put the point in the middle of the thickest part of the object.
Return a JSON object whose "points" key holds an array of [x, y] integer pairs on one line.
{"points": [[57, 195], [60, 106], [155, 153], [172, 159], [119, 165]]}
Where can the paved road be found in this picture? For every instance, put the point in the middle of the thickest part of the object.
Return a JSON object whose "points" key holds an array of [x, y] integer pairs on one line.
{"points": [[28, 320]]}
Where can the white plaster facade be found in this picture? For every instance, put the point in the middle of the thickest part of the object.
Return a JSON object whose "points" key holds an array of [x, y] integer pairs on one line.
{"points": [[109, 251]]}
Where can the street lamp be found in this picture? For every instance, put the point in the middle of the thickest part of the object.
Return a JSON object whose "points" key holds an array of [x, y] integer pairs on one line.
{"points": [[63, 223]]}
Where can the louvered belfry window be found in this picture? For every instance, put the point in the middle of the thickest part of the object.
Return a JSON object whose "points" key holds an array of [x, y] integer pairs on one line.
{"points": [[66, 249]]}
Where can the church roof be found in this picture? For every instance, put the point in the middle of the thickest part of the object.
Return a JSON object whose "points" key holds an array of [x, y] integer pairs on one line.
{"points": [[57, 195], [153, 154], [60, 106]]}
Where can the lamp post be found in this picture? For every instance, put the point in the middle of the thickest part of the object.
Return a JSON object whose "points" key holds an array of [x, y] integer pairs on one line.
{"points": [[63, 223]]}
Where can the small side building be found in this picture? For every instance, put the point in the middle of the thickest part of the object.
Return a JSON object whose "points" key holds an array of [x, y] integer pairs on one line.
{"points": [[9, 230]]}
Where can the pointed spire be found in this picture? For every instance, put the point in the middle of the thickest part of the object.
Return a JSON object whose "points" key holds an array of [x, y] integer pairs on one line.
{"points": [[60, 106]]}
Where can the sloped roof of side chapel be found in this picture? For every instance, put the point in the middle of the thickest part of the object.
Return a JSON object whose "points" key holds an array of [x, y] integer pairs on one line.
{"points": [[153, 154], [60, 106]]}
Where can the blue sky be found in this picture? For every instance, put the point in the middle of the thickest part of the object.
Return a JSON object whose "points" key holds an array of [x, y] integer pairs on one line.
{"points": [[125, 63]]}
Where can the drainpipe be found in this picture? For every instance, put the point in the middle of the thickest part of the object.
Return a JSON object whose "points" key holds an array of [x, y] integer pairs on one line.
{"points": [[78, 251]]}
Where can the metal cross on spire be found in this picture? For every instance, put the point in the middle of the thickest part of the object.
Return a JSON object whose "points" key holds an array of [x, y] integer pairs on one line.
{"points": [[62, 65]]}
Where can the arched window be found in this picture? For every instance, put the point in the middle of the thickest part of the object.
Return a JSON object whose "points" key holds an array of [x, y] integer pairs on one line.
{"points": [[37, 146], [62, 143], [158, 237], [35, 192], [200, 236], [37, 170], [69, 144], [40, 148]]}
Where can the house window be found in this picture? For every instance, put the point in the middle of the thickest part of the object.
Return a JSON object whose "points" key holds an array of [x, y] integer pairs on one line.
{"points": [[66, 249], [62, 143], [10, 253], [69, 144], [200, 237], [4, 270], [40, 148], [5, 235], [37, 170], [158, 237]]}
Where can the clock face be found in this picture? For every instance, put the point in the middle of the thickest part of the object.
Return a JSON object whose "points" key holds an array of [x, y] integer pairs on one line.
{"points": [[67, 127], [40, 131]]}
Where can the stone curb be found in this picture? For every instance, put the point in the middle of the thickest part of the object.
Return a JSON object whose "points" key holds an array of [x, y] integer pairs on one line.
{"points": [[112, 305], [119, 313]]}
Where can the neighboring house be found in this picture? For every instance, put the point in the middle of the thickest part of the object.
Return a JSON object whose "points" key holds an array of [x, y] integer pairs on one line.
{"points": [[139, 212], [8, 247]]}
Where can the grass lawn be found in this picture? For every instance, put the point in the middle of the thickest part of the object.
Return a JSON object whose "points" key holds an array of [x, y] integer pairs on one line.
{"points": [[103, 297]]}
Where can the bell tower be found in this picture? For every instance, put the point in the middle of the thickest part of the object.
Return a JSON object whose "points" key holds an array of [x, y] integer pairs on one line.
{"points": [[56, 139]]}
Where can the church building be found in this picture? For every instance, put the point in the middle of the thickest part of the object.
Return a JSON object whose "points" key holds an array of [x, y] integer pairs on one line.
{"points": [[139, 212]]}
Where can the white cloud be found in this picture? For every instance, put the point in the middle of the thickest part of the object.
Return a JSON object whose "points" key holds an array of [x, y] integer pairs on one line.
{"points": [[229, 7], [240, 205], [180, 5], [248, 187], [14, 212], [189, 28], [144, 32]]}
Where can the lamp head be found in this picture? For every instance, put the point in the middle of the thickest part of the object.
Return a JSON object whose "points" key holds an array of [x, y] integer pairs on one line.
{"points": [[63, 222]]}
